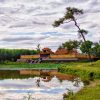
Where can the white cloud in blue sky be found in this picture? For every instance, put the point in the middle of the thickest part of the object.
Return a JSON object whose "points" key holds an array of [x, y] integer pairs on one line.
{"points": [[25, 23]]}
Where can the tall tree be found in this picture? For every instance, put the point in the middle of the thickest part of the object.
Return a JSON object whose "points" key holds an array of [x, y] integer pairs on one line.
{"points": [[70, 16]]}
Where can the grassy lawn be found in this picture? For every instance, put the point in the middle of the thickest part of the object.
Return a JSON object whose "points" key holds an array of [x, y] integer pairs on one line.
{"points": [[90, 92]]}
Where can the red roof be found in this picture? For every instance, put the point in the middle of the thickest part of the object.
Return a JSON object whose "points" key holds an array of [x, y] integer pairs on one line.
{"points": [[63, 51]]}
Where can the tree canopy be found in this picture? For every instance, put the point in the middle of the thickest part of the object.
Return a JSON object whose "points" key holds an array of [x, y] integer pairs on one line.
{"points": [[96, 50], [70, 45], [86, 46]]}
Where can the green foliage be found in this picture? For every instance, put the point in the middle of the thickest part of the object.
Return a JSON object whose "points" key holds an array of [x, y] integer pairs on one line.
{"points": [[82, 31], [86, 47], [70, 45], [14, 54], [74, 10], [90, 47], [69, 15]]}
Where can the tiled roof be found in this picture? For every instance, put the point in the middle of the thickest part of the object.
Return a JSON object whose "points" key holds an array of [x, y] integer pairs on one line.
{"points": [[46, 51], [63, 51]]}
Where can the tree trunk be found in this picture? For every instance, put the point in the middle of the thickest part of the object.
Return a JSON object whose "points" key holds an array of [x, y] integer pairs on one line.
{"points": [[82, 36], [79, 29]]}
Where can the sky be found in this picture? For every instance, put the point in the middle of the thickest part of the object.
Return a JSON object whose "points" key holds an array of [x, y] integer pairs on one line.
{"points": [[27, 23]]}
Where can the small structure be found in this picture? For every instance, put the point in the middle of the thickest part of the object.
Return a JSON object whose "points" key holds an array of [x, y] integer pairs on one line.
{"points": [[45, 53]]}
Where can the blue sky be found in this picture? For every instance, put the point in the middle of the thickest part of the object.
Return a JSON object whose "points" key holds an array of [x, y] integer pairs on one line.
{"points": [[26, 23]]}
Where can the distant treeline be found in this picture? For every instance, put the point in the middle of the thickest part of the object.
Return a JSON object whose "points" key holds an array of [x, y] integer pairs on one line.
{"points": [[14, 54]]}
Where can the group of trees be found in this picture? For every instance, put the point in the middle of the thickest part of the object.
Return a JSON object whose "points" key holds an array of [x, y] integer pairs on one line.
{"points": [[14, 54], [84, 47]]}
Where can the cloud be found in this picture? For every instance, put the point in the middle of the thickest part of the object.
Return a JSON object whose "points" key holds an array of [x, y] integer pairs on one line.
{"points": [[16, 39], [28, 22]]}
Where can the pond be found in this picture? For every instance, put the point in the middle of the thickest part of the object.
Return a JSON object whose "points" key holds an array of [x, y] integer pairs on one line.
{"points": [[36, 88]]}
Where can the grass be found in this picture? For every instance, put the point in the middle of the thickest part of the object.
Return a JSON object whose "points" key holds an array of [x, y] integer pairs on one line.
{"points": [[94, 64], [83, 70], [90, 92], [26, 65]]}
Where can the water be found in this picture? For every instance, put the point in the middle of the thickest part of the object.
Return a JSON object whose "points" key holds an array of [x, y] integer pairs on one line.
{"points": [[22, 89]]}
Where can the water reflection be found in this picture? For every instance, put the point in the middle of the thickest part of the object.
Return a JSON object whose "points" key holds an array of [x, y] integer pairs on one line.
{"points": [[12, 74], [17, 89]]}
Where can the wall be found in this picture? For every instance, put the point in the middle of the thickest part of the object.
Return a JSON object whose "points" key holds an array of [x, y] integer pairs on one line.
{"points": [[80, 56], [29, 56]]}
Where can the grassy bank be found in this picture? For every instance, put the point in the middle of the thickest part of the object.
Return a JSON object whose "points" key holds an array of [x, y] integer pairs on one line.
{"points": [[90, 92], [83, 70]]}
